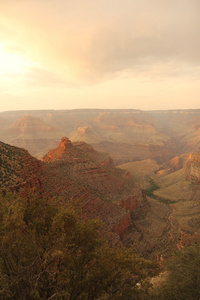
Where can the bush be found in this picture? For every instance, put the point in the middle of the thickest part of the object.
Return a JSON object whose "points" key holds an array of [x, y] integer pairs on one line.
{"points": [[183, 281], [47, 251]]}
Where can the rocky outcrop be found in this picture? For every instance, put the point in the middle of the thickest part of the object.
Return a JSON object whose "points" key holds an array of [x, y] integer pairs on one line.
{"points": [[137, 204], [123, 226], [178, 162], [193, 168], [62, 152], [194, 157]]}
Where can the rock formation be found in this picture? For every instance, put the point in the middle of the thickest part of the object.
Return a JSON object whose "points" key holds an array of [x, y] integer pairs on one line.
{"points": [[193, 168], [76, 171]]}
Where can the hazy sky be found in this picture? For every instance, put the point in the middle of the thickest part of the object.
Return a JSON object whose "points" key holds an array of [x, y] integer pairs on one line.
{"points": [[64, 54]]}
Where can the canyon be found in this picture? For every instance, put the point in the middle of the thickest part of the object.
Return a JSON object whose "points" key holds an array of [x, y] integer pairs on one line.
{"points": [[138, 172], [127, 135], [173, 194], [76, 172]]}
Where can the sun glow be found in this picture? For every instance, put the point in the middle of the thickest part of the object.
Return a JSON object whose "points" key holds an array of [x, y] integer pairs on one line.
{"points": [[13, 63]]}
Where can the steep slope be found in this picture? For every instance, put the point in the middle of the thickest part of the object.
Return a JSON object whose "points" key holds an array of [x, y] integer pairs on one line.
{"points": [[18, 169], [193, 168]]}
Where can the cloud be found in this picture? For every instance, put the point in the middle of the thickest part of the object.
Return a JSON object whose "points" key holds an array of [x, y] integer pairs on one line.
{"points": [[89, 40], [155, 36], [40, 77]]}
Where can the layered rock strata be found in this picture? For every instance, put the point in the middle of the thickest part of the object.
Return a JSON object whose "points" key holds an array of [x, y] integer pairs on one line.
{"points": [[193, 168], [76, 171]]}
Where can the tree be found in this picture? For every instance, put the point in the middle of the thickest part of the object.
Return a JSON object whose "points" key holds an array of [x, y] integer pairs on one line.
{"points": [[183, 281], [48, 251]]}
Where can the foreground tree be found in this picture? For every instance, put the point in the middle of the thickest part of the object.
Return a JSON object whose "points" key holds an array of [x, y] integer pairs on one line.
{"points": [[183, 281], [47, 251]]}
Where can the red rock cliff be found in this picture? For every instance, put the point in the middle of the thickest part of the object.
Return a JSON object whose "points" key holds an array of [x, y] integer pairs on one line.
{"points": [[193, 168]]}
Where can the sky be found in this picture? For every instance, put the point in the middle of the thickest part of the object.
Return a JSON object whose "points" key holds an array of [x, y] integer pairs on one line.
{"points": [[64, 54]]}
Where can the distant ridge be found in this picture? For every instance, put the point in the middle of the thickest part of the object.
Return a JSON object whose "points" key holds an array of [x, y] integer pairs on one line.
{"points": [[128, 135], [29, 125], [85, 134]]}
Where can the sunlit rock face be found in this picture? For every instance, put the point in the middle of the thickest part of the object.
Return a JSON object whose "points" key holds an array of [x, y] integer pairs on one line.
{"points": [[193, 168], [63, 152], [65, 142]]}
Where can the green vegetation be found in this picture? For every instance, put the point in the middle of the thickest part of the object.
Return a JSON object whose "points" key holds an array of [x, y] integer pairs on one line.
{"points": [[153, 187], [48, 251], [163, 200], [183, 281]]}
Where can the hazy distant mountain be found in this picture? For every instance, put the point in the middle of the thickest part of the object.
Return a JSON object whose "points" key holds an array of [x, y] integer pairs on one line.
{"points": [[29, 126], [183, 127], [85, 134], [127, 135], [133, 127], [32, 134], [3, 124]]}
